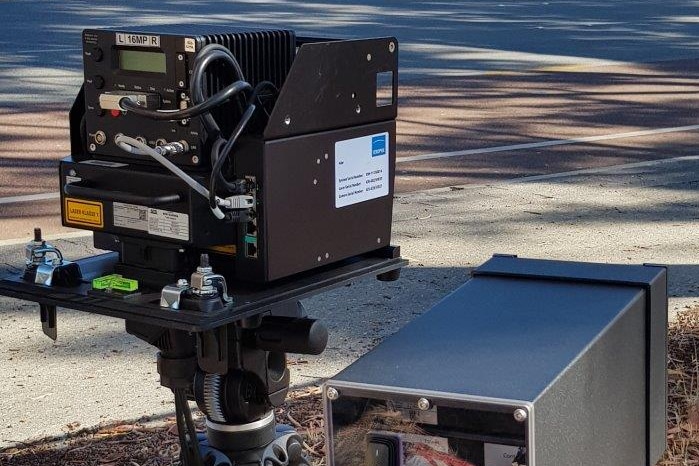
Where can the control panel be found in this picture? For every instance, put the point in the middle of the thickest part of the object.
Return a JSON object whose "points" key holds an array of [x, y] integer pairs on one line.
{"points": [[153, 68]]}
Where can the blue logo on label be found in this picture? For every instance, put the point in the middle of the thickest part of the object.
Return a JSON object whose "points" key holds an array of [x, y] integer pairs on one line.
{"points": [[378, 145]]}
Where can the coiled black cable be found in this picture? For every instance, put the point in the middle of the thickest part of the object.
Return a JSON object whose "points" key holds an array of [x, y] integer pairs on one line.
{"points": [[207, 55]]}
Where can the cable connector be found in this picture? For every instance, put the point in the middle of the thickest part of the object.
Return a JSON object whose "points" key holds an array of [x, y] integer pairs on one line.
{"points": [[172, 148], [237, 202]]}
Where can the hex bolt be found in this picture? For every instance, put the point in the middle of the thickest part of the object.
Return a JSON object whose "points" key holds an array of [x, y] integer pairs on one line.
{"points": [[368, 57], [332, 393], [180, 57], [92, 147], [181, 83], [423, 404], [391, 46], [195, 159], [287, 120], [182, 282], [318, 161], [315, 182], [520, 415], [358, 109]]}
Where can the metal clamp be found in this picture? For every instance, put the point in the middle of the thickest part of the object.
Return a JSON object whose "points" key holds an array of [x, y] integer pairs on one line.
{"points": [[171, 295], [205, 283], [43, 258]]}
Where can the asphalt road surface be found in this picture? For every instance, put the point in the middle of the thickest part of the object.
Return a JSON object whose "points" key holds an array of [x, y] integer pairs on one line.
{"points": [[477, 78]]}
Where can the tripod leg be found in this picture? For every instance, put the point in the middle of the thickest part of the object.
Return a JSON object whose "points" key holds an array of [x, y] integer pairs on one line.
{"points": [[189, 442]]}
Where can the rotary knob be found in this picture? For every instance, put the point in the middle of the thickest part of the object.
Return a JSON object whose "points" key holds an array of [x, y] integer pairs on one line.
{"points": [[97, 54], [98, 82]]}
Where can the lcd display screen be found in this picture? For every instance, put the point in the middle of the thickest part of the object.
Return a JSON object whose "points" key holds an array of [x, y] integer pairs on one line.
{"points": [[135, 60]]}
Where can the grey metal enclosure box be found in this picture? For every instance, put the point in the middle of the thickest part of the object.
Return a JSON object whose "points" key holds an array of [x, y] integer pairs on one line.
{"points": [[535, 362]]}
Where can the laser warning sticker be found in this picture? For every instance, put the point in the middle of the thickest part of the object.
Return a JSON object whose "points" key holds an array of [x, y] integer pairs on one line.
{"points": [[361, 169], [86, 213], [156, 222]]}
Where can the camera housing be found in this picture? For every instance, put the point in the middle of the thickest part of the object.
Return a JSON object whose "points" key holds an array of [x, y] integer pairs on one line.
{"points": [[315, 163]]}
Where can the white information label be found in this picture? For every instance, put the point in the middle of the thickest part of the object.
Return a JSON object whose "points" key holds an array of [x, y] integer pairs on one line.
{"points": [[499, 455], [190, 45], [168, 224], [153, 221], [361, 169], [130, 216], [137, 40]]}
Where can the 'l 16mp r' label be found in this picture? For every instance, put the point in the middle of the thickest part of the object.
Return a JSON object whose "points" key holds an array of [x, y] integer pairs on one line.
{"points": [[361, 169]]}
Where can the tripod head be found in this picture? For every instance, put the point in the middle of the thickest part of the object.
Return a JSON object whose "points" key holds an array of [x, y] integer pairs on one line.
{"points": [[237, 374]]}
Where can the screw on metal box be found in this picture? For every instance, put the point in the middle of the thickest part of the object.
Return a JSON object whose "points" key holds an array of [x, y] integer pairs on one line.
{"points": [[520, 415], [423, 404], [391, 47], [332, 393]]}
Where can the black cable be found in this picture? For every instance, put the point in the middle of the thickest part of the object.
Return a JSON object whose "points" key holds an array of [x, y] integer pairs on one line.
{"points": [[206, 106], [226, 150], [206, 56], [257, 90], [209, 49], [255, 97]]}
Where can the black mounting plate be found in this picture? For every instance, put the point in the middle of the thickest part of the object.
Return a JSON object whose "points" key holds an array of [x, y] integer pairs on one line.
{"points": [[248, 299]]}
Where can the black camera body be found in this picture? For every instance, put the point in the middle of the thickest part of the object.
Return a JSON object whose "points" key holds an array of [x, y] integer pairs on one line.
{"points": [[315, 163]]}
